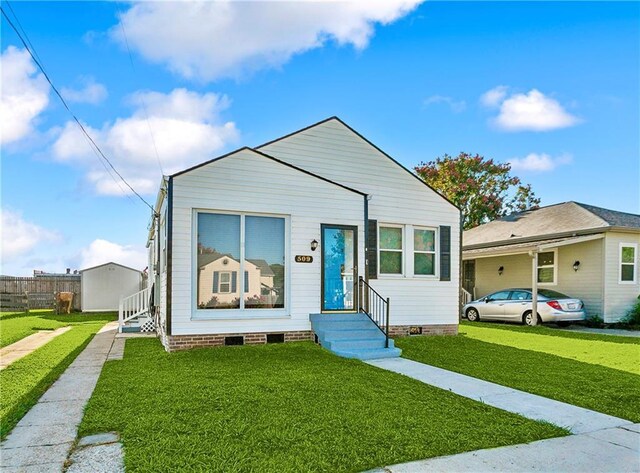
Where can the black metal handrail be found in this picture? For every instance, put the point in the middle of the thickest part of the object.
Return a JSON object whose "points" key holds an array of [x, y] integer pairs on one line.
{"points": [[375, 306]]}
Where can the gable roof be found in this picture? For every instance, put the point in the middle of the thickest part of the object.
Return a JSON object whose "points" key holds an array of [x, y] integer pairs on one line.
{"points": [[337, 119], [564, 219], [265, 155], [208, 258], [107, 264]]}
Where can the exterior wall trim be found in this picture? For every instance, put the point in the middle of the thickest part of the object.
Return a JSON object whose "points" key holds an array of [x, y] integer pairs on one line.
{"points": [[169, 244]]}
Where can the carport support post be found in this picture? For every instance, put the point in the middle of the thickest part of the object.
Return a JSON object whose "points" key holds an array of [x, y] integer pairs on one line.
{"points": [[534, 288]]}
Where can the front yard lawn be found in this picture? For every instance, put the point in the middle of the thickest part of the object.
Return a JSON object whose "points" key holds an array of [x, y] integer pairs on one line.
{"points": [[15, 326], [554, 374], [283, 407], [24, 381], [621, 353]]}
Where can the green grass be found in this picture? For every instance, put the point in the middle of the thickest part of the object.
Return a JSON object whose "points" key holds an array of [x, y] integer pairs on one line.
{"points": [[25, 380], [603, 351], [551, 331], [283, 407], [15, 326], [588, 385]]}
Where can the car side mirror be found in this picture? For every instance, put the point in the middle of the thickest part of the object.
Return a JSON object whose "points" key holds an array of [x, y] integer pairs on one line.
{"points": [[487, 299]]}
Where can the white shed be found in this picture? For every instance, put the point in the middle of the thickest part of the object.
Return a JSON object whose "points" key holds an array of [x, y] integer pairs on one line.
{"points": [[104, 285]]}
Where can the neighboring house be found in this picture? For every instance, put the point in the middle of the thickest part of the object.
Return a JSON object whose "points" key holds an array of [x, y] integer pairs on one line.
{"points": [[218, 285], [301, 218], [584, 251], [102, 286]]}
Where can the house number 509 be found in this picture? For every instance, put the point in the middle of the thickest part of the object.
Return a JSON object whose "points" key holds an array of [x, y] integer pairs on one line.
{"points": [[304, 259]]}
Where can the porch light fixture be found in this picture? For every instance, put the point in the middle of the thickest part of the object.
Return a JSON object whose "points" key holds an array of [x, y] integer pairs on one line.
{"points": [[576, 265], [314, 245], [500, 270]]}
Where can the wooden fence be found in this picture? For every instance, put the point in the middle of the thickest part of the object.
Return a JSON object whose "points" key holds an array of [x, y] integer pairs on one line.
{"points": [[41, 290]]}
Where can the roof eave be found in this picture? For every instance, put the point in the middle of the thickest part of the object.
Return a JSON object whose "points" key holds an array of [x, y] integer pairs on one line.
{"points": [[535, 238]]}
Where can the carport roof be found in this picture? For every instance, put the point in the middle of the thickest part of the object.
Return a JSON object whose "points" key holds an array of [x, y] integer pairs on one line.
{"points": [[522, 248]]}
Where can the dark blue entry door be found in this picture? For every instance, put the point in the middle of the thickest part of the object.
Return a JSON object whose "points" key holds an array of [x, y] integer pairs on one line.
{"points": [[339, 267]]}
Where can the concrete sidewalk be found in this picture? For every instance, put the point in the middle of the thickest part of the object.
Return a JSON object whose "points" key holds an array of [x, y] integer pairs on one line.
{"points": [[27, 345], [609, 450], [577, 419], [603, 331], [41, 441]]}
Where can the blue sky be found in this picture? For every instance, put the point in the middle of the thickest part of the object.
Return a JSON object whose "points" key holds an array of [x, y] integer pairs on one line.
{"points": [[551, 87]]}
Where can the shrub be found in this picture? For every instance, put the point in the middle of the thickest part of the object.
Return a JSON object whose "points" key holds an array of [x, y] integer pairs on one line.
{"points": [[594, 321], [633, 316]]}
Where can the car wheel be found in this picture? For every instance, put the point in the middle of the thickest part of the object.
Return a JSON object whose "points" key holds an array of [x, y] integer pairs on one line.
{"points": [[472, 315], [527, 319], [563, 324]]}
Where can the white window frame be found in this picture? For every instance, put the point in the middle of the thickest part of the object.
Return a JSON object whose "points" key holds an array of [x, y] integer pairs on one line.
{"points": [[220, 283], [555, 268], [634, 264], [239, 313], [435, 251], [402, 273]]}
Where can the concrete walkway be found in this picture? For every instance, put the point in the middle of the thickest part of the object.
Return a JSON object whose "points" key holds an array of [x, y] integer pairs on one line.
{"points": [[22, 348], [577, 419], [609, 450], [41, 441]]}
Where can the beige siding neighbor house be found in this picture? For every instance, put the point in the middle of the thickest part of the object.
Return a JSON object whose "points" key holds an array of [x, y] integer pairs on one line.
{"points": [[316, 235], [584, 251]]}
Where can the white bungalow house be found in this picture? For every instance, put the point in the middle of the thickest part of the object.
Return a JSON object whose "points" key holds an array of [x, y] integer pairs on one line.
{"points": [[581, 250], [335, 240]]}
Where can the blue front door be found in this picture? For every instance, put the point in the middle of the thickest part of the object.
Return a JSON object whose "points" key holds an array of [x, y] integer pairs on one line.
{"points": [[339, 267]]}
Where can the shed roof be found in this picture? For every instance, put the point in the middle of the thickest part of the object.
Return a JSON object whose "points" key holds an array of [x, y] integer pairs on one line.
{"points": [[559, 220]]}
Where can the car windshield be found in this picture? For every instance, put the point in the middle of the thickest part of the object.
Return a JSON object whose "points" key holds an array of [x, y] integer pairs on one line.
{"points": [[552, 294]]}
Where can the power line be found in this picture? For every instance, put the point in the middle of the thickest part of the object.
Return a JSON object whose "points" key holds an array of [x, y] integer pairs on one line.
{"points": [[35, 52], [142, 102], [75, 118]]}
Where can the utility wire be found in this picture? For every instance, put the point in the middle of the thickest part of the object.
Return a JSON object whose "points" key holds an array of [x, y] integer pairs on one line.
{"points": [[75, 118], [142, 102], [35, 52]]}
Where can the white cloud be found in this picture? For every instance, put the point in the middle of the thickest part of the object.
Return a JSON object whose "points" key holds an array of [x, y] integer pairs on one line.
{"points": [[104, 251], [186, 126], [539, 162], [495, 96], [20, 237], [456, 106], [23, 96], [92, 92], [532, 111], [208, 40]]}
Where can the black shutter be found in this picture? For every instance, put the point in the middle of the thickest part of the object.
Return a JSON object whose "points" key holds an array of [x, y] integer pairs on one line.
{"points": [[372, 250], [445, 253]]}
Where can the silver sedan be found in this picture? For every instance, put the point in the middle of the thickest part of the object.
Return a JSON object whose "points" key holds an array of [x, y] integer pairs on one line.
{"points": [[514, 305]]}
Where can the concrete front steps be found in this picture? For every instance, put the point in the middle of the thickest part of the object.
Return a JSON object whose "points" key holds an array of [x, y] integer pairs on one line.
{"points": [[352, 336]]}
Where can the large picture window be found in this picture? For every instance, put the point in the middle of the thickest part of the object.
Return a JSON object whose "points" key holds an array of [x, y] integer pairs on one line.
{"points": [[390, 250], [236, 275], [547, 267], [628, 263], [424, 252]]}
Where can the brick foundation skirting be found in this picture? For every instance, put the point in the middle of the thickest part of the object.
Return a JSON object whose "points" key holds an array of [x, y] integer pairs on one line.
{"points": [[405, 330], [185, 342]]}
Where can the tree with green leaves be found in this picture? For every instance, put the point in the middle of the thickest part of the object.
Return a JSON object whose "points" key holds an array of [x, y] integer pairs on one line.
{"points": [[483, 189]]}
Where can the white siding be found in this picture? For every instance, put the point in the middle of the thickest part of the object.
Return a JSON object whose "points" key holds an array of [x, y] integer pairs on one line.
{"points": [[619, 297], [248, 182], [585, 284], [335, 152], [102, 287]]}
